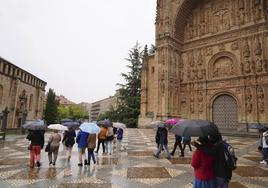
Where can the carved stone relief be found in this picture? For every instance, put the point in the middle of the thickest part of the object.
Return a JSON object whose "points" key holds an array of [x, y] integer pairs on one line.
{"points": [[248, 100], [214, 16], [223, 67], [192, 103], [260, 99], [200, 102], [246, 55]]}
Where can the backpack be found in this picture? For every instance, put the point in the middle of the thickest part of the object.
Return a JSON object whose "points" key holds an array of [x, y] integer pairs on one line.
{"points": [[266, 137], [229, 154]]}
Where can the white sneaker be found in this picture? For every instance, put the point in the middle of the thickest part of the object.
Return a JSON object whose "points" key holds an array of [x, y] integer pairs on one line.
{"points": [[263, 162]]}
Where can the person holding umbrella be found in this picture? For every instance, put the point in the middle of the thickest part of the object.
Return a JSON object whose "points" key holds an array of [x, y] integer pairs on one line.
{"points": [[36, 133], [37, 143], [81, 140], [68, 141], [90, 147], [101, 139], [163, 141], [54, 141]]}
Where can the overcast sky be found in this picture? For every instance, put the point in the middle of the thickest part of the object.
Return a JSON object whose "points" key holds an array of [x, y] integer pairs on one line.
{"points": [[77, 46]]}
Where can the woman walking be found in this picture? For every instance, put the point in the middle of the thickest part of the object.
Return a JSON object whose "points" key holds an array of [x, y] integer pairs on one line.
{"points": [[90, 147], [54, 141], [101, 139], [109, 139], [37, 143], [203, 166], [68, 141]]}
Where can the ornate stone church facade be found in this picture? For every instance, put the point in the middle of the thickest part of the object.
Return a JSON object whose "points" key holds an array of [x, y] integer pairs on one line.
{"points": [[22, 96], [210, 62]]}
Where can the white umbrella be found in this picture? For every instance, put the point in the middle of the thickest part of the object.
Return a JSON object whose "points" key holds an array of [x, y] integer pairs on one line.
{"points": [[119, 125], [91, 128], [58, 127]]}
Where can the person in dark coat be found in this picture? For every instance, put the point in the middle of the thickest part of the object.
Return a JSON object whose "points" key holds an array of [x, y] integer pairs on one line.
{"points": [[68, 141], [222, 172], [37, 143], [163, 142], [177, 143]]}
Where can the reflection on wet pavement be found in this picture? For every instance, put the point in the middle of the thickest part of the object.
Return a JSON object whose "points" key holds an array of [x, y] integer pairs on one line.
{"points": [[251, 171], [147, 172], [133, 167]]}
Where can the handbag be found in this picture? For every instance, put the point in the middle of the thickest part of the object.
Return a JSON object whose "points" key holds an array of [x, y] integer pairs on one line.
{"points": [[47, 149]]}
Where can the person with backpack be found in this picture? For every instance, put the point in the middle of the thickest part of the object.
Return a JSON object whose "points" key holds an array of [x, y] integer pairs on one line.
{"points": [[222, 170], [264, 146]]}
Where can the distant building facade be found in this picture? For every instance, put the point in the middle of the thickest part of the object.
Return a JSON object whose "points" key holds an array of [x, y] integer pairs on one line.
{"points": [[64, 101], [22, 94], [87, 107], [101, 106], [211, 62]]}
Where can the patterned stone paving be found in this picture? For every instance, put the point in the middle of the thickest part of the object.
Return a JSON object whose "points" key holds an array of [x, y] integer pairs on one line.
{"points": [[133, 167]]}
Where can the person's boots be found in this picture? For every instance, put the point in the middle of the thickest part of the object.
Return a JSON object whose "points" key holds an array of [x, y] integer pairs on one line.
{"points": [[172, 153], [85, 162]]}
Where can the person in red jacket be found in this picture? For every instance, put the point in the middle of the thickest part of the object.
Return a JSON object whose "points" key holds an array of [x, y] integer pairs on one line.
{"points": [[203, 166]]}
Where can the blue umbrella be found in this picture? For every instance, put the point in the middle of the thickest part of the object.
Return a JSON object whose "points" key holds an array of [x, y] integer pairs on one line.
{"points": [[66, 120], [91, 128], [34, 125]]}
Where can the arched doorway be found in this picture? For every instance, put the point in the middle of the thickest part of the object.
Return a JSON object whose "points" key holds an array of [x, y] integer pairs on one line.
{"points": [[225, 112]]}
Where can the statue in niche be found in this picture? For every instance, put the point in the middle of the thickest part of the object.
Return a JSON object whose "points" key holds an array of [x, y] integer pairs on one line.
{"points": [[260, 98], [200, 102], [258, 48], [200, 59], [259, 65], [241, 4], [257, 9], [209, 51], [248, 100], [247, 66], [223, 67], [246, 50], [192, 102]]}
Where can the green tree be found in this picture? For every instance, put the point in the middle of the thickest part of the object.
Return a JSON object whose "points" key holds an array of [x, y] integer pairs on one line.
{"points": [[63, 112], [51, 110], [77, 112], [129, 101]]}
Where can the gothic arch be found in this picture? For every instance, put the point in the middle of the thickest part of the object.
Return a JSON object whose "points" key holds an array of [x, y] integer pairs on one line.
{"points": [[225, 111], [227, 56], [184, 9]]}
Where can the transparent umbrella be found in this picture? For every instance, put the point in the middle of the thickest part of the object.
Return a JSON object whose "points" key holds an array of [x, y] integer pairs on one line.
{"points": [[91, 128]]}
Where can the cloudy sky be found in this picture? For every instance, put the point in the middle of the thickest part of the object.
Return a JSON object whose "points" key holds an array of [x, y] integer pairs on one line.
{"points": [[77, 46]]}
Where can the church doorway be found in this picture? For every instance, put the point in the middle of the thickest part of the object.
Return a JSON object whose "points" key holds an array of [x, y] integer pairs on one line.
{"points": [[225, 112]]}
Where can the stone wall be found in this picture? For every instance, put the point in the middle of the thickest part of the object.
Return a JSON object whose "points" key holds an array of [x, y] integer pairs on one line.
{"points": [[22, 93]]}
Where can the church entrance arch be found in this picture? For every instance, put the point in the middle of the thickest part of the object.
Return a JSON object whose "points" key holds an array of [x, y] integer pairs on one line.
{"points": [[225, 112]]}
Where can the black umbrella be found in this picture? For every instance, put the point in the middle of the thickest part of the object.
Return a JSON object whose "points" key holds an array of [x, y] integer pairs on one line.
{"points": [[70, 124], [194, 128], [106, 123], [34, 125]]}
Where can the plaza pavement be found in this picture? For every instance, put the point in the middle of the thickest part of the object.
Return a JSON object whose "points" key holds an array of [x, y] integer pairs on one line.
{"points": [[134, 167]]}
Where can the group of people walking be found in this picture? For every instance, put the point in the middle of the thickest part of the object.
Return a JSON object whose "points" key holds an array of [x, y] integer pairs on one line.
{"points": [[85, 141], [161, 139]]}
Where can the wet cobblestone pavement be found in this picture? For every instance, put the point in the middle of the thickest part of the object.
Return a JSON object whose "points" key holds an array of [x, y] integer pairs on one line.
{"points": [[131, 168]]}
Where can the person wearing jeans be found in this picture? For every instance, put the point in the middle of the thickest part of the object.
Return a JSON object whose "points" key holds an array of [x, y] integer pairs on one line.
{"points": [[37, 143], [109, 139], [90, 147], [177, 143], [163, 142]]}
